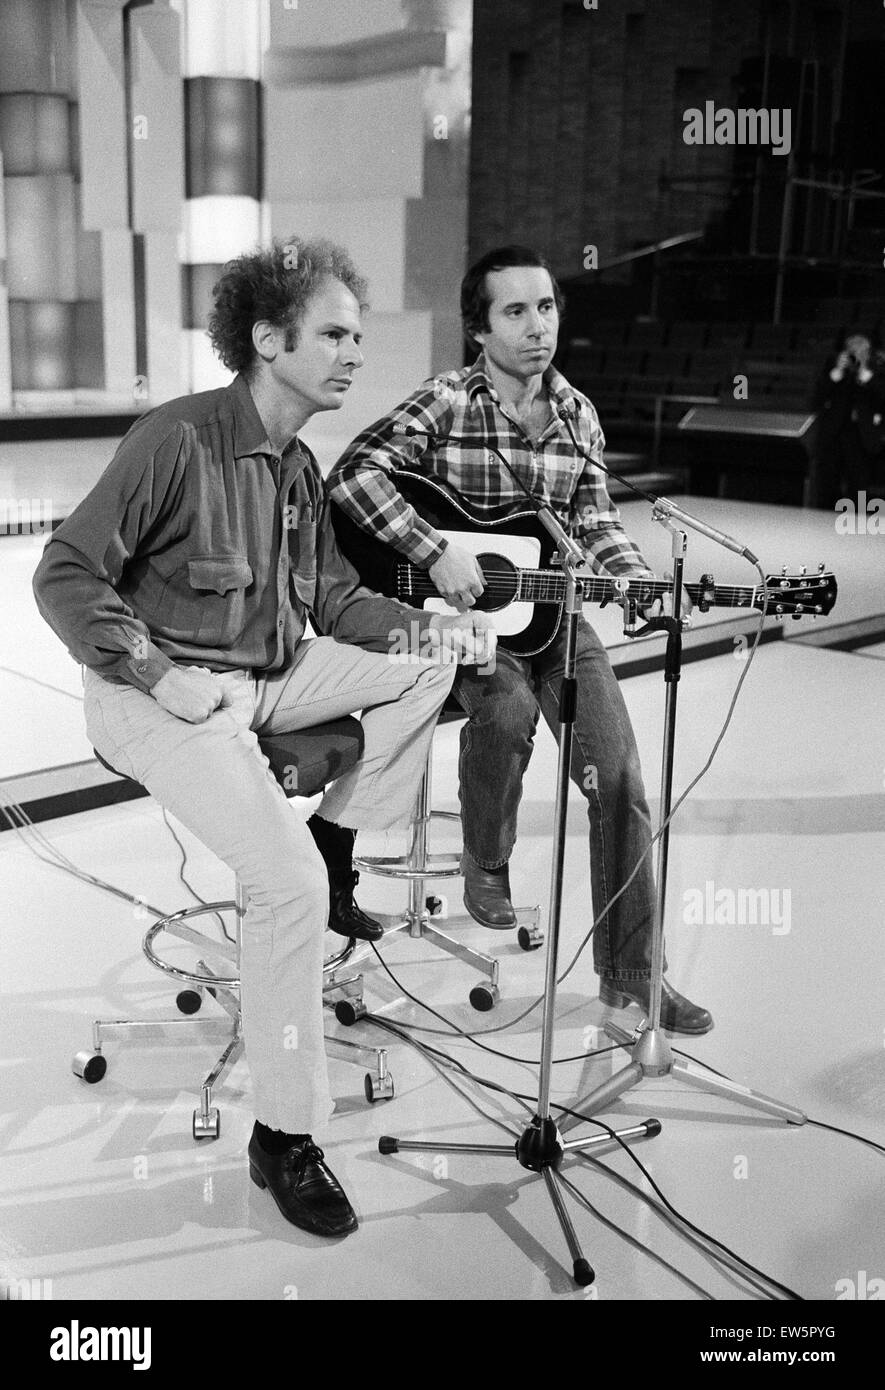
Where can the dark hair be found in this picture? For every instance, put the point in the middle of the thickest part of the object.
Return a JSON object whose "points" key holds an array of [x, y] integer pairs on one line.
{"points": [[275, 284], [475, 297]]}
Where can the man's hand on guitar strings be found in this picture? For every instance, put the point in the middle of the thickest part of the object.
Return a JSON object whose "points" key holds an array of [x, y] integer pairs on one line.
{"points": [[665, 605], [457, 577], [468, 638]]}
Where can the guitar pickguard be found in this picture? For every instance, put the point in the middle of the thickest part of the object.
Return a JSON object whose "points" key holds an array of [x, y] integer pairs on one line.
{"points": [[523, 551]]}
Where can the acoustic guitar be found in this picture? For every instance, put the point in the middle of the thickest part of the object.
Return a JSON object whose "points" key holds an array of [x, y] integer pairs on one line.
{"points": [[524, 586]]}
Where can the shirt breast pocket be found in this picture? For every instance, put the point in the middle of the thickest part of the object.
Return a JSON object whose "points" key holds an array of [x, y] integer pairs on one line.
{"points": [[303, 560], [205, 600]]}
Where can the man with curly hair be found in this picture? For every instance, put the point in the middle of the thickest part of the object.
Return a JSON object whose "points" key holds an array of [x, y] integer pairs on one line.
{"points": [[183, 583]]}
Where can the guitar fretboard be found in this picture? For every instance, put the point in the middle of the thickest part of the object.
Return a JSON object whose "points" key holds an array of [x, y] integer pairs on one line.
{"points": [[546, 586]]}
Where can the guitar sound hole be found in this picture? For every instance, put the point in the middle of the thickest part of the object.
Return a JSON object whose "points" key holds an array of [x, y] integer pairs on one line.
{"points": [[502, 582]]}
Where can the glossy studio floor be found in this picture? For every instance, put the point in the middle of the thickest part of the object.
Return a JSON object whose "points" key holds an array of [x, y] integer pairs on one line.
{"points": [[106, 1194]]}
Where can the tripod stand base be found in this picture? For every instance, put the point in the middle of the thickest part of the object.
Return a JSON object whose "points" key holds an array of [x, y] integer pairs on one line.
{"points": [[652, 1056], [541, 1150]]}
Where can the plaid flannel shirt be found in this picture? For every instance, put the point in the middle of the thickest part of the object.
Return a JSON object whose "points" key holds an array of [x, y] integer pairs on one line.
{"points": [[441, 429]]}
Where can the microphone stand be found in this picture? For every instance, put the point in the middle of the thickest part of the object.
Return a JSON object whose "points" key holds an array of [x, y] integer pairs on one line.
{"points": [[652, 1055], [540, 1148]]}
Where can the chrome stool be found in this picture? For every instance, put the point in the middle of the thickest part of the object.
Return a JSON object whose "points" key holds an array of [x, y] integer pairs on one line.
{"points": [[319, 755], [418, 866]]}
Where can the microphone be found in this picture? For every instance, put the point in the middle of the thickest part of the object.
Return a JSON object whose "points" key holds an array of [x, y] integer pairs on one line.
{"points": [[661, 504]]}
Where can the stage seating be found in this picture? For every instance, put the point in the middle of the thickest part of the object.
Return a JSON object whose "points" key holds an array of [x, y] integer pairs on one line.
{"points": [[636, 371]]}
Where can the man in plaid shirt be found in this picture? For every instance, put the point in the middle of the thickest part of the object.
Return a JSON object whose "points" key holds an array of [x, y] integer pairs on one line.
{"points": [[510, 399]]}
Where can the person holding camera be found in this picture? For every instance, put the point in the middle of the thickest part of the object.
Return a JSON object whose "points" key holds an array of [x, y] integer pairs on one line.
{"points": [[849, 398]]}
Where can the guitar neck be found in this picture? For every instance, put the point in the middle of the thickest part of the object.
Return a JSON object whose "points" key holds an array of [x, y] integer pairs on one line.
{"points": [[548, 586]]}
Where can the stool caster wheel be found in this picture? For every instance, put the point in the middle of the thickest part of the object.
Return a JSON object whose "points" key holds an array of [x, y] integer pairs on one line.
{"points": [[436, 906], [350, 1011], [378, 1090], [210, 1128], [530, 938], [484, 997], [189, 1001], [91, 1066]]}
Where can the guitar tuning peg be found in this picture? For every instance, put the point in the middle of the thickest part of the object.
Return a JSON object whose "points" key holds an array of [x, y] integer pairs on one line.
{"points": [[803, 569], [783, 569], [820, 568]]}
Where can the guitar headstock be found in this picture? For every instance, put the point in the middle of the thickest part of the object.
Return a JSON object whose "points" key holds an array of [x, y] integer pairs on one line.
{"points": [[799, 595]]}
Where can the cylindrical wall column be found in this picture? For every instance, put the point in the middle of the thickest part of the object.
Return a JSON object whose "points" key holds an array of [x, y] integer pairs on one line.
{"points": [[223, 46], [39, 198]]}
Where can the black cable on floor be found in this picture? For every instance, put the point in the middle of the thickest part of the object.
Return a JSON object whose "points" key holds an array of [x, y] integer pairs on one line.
{"points": [[790, 1293], [471, 1037], [532, 1102], [820, 1124], [849, 1133]]}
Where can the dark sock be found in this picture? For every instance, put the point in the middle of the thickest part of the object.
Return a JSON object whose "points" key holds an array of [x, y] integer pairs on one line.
{"points": [[334, 842], [276, 1141]]}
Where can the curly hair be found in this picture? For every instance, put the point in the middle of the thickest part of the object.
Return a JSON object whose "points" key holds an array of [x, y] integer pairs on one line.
{"points": [[275, 284], [475, 298]]}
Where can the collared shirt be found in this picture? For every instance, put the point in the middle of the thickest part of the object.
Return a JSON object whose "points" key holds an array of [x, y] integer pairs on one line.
{"points": [[441, 430], [199, 545]]}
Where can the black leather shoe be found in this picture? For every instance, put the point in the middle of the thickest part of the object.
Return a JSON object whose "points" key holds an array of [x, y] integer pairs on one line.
{"points": [[678, 1014], [305, 1190], [487, 895], [344, 916]]}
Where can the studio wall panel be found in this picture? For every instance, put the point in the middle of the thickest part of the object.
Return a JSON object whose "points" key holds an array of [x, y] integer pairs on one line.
{"points": [[157, 144], [88, 264], [205, 372], [216, 229], [222, 38], [42, 345], [102, 124], [223, 137], [34, 133], [88, 345], [436, 250], [118, 311], [42, 237], [34, 46], [372, 142], [5, 360], [163, 317], [315, 23], [196, 289]]}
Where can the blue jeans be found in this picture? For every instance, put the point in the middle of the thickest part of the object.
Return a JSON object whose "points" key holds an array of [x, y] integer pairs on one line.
{"points": [[496, 745]]}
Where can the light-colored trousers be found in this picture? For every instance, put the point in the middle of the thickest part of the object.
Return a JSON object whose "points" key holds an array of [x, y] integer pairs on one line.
{"points": [[215, 780]]}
